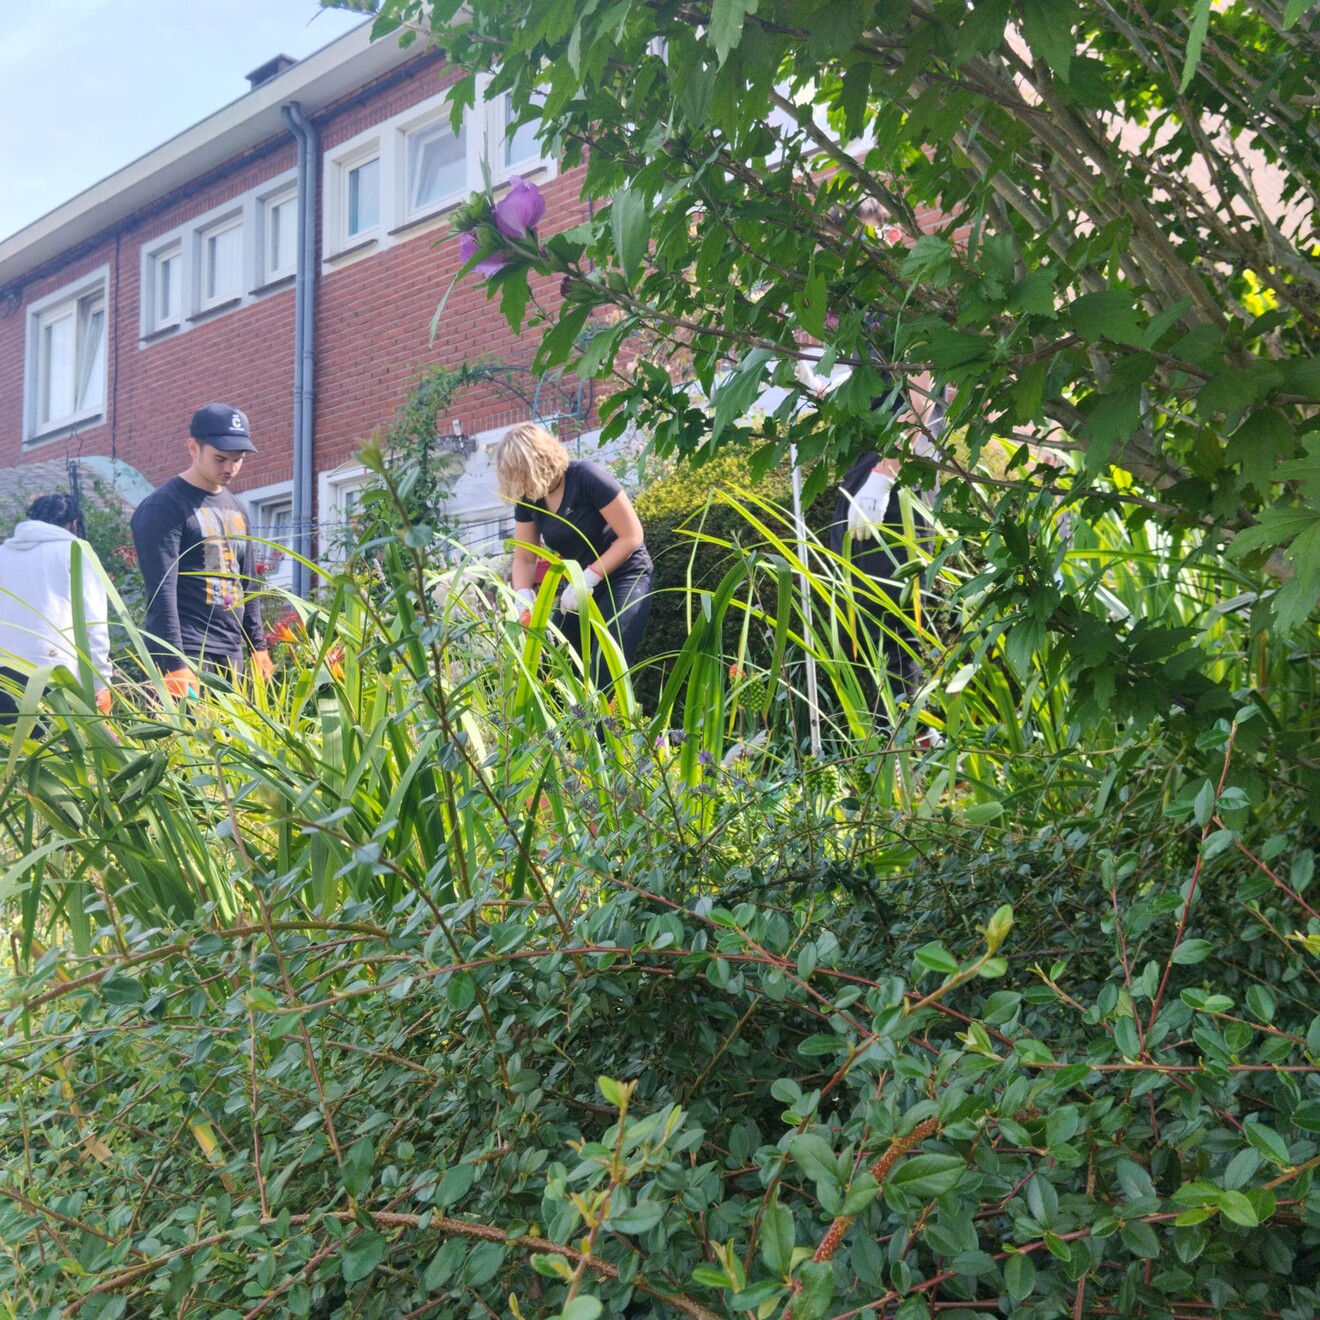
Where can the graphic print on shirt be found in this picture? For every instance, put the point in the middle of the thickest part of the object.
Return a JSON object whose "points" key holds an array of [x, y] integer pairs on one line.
{"points": [[220, 529]]}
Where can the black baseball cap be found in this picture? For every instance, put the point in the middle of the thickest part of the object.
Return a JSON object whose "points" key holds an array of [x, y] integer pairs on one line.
{"points": [[223, 427]]}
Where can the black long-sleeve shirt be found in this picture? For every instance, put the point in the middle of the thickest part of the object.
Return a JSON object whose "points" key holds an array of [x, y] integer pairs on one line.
{"points": [[196, 561]]}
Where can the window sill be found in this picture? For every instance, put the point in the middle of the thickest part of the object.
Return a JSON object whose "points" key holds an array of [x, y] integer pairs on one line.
{"points": [[213, 309], [160, 332], [354, 248], [64, 431], [276, 283], [420, 218]]}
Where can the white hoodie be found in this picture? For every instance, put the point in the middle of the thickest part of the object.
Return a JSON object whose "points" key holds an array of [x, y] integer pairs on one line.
{"points": [[36, 608]]}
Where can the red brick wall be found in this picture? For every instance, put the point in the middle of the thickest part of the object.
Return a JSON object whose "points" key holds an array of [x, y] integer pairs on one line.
{"points": [[372, 327]]}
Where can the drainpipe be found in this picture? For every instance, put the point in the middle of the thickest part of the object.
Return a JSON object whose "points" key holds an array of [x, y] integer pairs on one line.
{"points": [[304, 343]]}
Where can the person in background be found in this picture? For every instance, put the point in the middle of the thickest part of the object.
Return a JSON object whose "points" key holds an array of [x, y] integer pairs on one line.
{"points": [[579, 511], [36, 601], [193, 547]]}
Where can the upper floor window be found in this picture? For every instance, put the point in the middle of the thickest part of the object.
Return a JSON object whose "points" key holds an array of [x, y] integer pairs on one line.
{"points": [[279, 232], [66, 358], [222, 262], [437, 165], [220, 259], [414, 166], [518, 144], [166, 291], [363, 197]]}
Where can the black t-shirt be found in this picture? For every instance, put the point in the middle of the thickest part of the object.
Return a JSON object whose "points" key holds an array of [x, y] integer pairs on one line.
{"points": [[196, 562], [577, 530]]}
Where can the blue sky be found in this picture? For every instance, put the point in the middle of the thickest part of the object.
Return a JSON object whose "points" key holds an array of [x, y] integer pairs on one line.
{"points": [[86, 86]]}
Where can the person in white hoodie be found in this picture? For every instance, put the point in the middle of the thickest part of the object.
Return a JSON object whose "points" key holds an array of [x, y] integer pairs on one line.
{"points": [[36, 601]]}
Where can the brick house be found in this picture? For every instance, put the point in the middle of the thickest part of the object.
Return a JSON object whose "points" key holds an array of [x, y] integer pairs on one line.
{"points": [[183, 278]]}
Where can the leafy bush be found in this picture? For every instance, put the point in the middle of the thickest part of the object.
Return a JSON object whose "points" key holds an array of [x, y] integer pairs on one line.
{"points": [[426, 983]]}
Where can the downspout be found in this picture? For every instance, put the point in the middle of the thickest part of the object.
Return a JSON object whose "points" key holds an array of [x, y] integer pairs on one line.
{"points": [[304, 344]]}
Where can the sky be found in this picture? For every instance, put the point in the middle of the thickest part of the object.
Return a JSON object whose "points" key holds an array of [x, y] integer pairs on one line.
{"points": [[87, 86]]}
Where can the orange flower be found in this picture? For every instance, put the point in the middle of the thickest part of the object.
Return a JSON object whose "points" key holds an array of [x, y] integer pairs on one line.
{"points": [[334, 660], [285, 630]]}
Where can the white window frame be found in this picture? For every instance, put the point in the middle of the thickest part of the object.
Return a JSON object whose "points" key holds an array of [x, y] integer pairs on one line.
{"points": [[259, 502], [332, 490], [267, 204], [154, 320], [339, 166], [388, 141], [91, 288], [232, 222], [499, 117], [408, 132]]}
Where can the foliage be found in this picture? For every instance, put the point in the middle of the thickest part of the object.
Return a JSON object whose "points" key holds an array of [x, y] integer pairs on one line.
{"points": [[428, 983], [1094, 225]]}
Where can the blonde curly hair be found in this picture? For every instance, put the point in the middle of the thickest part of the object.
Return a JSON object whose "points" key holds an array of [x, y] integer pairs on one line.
{"points": [[529, 462]]}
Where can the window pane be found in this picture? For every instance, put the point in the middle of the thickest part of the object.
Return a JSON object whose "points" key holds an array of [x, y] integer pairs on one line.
{"points": [[364, 197], [55, 368], [169, 292], [91, 354], [437, 165], [522, 144], [283, 227], [224, 263]]}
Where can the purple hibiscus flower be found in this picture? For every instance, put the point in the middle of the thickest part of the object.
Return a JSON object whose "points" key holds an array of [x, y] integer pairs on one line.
{"points": [[520, 209], [468, 247]]}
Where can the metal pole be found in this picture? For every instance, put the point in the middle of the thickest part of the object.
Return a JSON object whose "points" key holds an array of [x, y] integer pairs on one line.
{"points": [[813, 705]]}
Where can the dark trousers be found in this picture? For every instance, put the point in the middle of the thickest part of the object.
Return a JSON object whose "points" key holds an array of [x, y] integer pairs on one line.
{"points": [[624, 600]]}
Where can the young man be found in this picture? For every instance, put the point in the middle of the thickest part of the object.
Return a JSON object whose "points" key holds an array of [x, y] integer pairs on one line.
{"points": [[36, 601], [193, 549]]}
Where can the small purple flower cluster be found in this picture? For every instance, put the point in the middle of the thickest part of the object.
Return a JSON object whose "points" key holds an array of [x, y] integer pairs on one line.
{"points": [[516, 216]]}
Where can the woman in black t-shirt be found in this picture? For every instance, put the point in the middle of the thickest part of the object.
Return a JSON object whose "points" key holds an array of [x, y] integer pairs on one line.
{"points": [[578, 510]]}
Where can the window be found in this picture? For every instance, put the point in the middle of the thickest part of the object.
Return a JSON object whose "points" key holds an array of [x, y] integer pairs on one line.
{"points": [[221, 252], [408, 170], [166, 288], [66, 358], [519, 146], [272, 523], [279, 236], [437, 166], [337, 497], [363, 198]]}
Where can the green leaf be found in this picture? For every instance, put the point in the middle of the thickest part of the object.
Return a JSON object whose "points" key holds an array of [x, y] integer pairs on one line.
{"points": [[1200, 24], [637, 1218], [817, 1279], [1047, 26], [581, 1308], [1295, 10], [1107, 314], [1267, 1141], [1235, 1206], [1190, 952], [936, 958], [726, 24], [926, 1176], [630, 227], [1260, 1004], [814, 1156], [1019, 1275], [777, 1239], [460, 991], [1307, 1116], [361, 1256], [456, 1184]]}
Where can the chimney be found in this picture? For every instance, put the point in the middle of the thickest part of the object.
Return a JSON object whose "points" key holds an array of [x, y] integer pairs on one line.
{"points": [[272, 68]]}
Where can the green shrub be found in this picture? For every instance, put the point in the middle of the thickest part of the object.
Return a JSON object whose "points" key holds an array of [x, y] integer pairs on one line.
{"points": [[685, 525]]}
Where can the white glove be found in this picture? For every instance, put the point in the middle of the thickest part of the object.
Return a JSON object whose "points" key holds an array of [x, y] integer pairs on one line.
{"points": [[526, 597], [866, 509], [568, 602], [805, 374]]}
